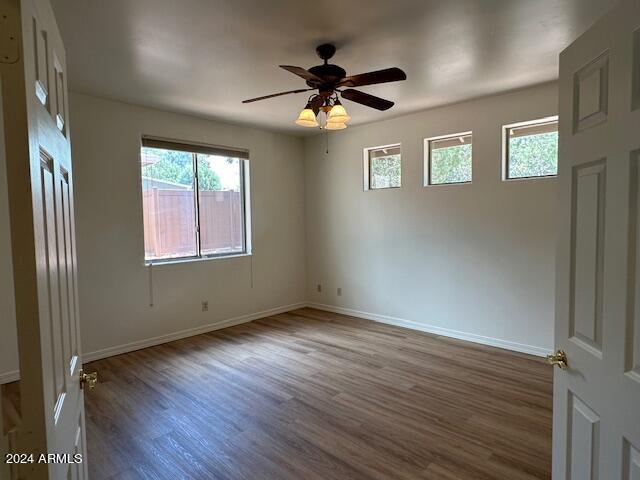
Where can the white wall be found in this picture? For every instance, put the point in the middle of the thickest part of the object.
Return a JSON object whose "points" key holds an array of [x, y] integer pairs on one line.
{"points": [[8, 340], [114, 283], [475, 260]]}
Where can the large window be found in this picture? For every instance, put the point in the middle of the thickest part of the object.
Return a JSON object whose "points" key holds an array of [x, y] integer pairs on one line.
{"points": [[193, 200], [531, 149], [383, 167], [449, 159]]}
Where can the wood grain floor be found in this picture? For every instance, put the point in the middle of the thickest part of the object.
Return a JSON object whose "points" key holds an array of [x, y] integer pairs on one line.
{"points": [[314, 395]]}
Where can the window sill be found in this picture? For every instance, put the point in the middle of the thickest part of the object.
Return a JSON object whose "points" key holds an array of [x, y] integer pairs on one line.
{"points": [[382, 188], [174, 261], [449, 184], [537, 177]]}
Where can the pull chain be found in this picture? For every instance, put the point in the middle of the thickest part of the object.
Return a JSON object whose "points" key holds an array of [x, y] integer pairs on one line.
{"points": [[151, 284], [326, 134]]}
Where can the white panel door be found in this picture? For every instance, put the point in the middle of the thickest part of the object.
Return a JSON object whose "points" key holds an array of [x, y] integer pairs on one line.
{"points": [[596, 424], [40, 184]]}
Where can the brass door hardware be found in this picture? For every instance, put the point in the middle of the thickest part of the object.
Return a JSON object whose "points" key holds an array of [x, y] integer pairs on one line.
{"points": [[559, 359], [88, 379]]}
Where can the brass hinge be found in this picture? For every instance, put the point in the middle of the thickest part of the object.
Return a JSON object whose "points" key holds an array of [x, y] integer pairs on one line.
{"points": [[88, 380]]}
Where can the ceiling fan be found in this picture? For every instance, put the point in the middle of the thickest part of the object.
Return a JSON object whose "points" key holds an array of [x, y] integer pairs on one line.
{"points": [[330, 80]]}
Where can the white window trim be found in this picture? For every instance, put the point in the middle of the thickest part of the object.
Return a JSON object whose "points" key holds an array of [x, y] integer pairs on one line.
{"points": [[505, 149], [365, 163], [426, 159]]}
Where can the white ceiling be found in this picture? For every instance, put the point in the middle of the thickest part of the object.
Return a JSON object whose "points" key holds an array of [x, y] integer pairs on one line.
{"points": [[204, 57]]}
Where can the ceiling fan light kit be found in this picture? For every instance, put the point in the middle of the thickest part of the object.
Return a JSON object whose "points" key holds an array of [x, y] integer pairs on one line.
{"points": [[329, 79], [335, 126], [338, 114], [307, 118]]}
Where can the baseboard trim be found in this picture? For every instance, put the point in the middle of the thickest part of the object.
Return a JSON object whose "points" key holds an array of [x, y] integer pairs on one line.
{"points": [[150, 342], [9, 377], [446, 332]]}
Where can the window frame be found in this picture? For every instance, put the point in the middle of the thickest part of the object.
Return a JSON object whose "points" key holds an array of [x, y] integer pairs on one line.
{"points": [[426, 163], [195, 148], [505, 147], [367, 166]]}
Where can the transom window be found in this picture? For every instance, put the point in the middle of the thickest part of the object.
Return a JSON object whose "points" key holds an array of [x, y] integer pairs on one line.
{"points": [[383, 167], [193, 200], [531, 149], [449, 159]]}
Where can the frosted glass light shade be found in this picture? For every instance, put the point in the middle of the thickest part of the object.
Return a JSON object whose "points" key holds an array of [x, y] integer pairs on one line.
{"points": [[307, 118], [338, 114], [335, 126]]}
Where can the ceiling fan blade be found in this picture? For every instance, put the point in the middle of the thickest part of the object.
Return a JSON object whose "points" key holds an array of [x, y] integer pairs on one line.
{"points": [[301, 72], [380, 76], [300, 90], [366, 99]]}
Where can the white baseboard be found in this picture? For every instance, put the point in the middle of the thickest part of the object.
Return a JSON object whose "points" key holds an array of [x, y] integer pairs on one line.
{"points": [[9, 377], [446, 332], [170, 337]]}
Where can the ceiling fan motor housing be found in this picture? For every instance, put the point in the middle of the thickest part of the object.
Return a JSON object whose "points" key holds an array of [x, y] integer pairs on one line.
{"points": [[331, 74]]}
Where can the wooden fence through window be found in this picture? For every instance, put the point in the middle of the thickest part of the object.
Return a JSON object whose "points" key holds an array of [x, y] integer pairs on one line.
{"points": [[170, 226]]}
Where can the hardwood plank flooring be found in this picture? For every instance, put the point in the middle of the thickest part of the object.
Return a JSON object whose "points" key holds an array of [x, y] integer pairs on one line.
{"points": [[316, 395]]}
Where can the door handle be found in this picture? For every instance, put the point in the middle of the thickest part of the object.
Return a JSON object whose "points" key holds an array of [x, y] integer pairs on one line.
{"points": [[559, 359], [88, 379]]}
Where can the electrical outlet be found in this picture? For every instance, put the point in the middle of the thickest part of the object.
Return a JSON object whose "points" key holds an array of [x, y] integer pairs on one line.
{"points": [[339, 291], [319, 288], [205, 306]]}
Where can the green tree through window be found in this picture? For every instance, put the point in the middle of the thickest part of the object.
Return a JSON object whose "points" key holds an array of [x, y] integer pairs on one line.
{"points": [[385, 172], [533, 155], [177, 167], [451, 164]]}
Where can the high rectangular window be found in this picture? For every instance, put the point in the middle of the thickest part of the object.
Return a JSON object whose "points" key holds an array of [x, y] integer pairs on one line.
{"points": [[383, 167], [531, 149], [449, 159], [194, 200]]}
